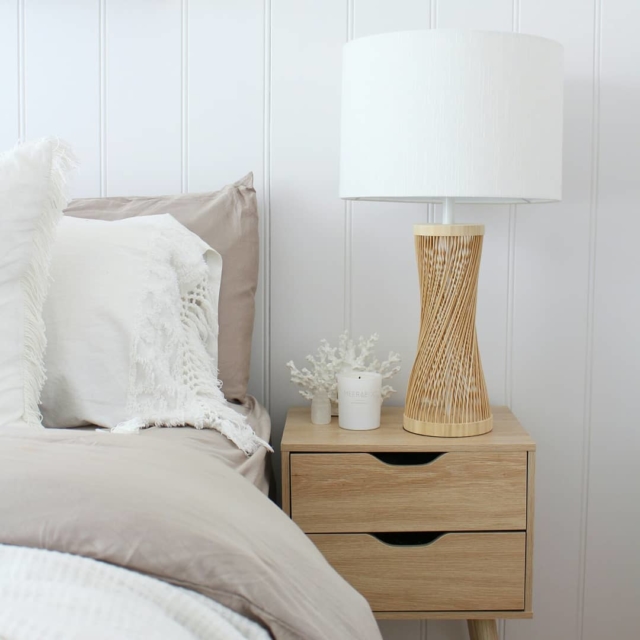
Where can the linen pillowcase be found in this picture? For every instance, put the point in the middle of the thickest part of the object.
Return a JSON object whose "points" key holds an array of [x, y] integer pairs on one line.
{"points": [[133, 333], [227, 220], [32, 196]]}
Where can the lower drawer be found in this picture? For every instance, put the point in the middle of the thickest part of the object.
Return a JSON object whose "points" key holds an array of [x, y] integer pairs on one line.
{"points": [[456, 571]]}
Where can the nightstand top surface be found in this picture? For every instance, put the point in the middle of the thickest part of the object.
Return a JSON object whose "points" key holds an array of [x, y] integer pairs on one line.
{"points": [[301, 435]]}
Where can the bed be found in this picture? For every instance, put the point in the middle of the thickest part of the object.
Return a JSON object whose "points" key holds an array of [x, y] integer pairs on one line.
{"points": [[166, 507], [255, 468], [156, 524]]}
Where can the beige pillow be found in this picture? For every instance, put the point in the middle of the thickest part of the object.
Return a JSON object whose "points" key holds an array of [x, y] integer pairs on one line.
{"points": [[227, 220]]}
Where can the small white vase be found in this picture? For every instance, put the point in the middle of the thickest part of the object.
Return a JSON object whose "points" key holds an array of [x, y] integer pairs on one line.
{"points": [[321, 408]]}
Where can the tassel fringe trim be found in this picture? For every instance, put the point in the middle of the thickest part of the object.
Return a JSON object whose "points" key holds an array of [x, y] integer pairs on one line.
{"points": [[35, 281]]}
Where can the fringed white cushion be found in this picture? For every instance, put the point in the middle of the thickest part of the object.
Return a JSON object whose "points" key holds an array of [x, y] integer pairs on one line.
{"points": [[132, 320], [32, 196]]}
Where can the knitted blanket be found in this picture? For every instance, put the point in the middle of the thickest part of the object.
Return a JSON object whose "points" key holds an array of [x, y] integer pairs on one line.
{"points": [[48, 595]]}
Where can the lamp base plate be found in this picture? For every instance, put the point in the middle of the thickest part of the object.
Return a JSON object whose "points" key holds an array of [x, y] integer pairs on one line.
{"points": [[444, 430]]}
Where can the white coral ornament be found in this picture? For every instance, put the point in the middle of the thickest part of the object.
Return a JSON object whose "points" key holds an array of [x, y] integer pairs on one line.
{"points": [[347, 356]]}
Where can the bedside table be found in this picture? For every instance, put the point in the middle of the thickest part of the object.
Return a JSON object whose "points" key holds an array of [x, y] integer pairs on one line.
{"points": [[423, 527]]}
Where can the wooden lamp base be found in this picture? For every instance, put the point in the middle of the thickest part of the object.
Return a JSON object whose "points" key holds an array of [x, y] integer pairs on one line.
{"points": [[447, 394]]}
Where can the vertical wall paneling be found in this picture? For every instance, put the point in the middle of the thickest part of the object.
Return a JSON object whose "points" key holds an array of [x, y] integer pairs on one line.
{"points": [[433, 24], [225, 92], [266, 213], [307, 215], [57, 54], [223, 107], [143, 43], [612, 590], [184, 96], [102, 57], [9, 74], [588, 378], [490, 15], [22, 73], [552, 245], [511, 268], [348, 215]]}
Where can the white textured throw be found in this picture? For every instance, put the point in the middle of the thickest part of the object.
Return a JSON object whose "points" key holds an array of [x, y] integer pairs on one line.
{"points": [[32, 195], [48, 595], [132, 320]]}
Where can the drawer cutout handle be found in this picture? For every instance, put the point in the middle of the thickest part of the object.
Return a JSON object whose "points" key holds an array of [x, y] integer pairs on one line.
{"points": [[407, 459], [407, 538]]}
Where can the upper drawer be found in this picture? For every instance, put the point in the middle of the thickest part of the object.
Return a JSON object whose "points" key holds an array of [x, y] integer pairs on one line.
{"points": [[457, 491]]}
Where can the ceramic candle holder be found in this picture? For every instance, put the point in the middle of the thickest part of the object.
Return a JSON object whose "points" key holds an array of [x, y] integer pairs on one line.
{"points": [[359, 400]]}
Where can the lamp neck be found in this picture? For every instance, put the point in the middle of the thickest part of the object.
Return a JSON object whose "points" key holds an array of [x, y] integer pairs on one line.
{"points": [[447, 211]]}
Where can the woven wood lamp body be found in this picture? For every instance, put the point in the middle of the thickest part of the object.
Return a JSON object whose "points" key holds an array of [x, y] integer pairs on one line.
{"points": [[447, 394], [451, 117]]}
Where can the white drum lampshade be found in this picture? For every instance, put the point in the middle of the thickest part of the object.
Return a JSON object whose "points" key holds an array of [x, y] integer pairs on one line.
{"points": [[473, 115], [451, 116]]}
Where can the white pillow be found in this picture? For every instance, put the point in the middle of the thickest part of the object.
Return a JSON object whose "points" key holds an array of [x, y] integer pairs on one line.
{"points": [[32, 180], [132, 321]]}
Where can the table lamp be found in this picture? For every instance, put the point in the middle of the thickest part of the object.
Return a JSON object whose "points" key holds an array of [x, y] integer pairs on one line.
{"points": [[451, 116]]}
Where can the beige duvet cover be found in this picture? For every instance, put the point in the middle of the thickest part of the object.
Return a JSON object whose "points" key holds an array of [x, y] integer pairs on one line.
{"points": [[254, 468], [177, 513]]}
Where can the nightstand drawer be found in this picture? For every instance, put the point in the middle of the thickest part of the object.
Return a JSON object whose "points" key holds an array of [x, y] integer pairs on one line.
{"points": [[457, 571], [455, 491]]}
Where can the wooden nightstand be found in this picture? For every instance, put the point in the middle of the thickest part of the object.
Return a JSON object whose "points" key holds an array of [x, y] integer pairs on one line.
{"points": [[423, 527]]}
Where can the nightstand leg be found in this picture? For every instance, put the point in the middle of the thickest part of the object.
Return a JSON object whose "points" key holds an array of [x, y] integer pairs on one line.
{"points": [[483, 629]]}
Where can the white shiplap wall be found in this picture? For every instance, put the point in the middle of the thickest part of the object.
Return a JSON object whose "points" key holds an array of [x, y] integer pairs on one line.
{"points": [[187, 95]]}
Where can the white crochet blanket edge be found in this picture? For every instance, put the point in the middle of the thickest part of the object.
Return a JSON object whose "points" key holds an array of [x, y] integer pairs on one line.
{"points": [[173, 380]]}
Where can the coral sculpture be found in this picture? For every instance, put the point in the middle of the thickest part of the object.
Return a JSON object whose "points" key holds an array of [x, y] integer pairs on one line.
{"points": [[349, 355]]}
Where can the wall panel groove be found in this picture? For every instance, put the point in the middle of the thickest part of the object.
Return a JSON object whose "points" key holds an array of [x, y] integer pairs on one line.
{"points": [[431, 208], [516, 16], [511, 267], [511, 287], [348, 214], [102, 99], [10, 109], [22, 74], [266, 211], [588, 377], [184, 90]]}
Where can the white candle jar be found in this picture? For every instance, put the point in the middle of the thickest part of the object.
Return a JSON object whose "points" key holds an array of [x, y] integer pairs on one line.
{"points": [[359, 400]]}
